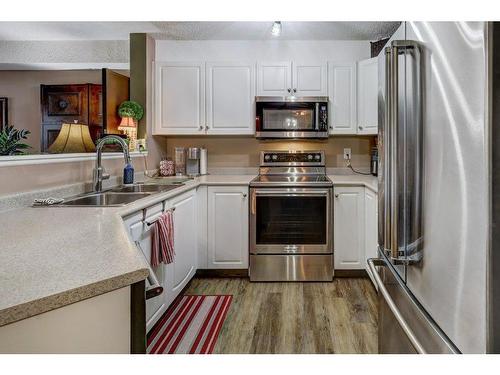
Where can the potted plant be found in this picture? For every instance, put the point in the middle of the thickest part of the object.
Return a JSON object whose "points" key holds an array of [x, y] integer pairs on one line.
{"points": [[11, 141]]}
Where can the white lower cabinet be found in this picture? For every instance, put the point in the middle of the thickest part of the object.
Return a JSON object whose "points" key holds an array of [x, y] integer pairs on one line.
{"points": [[371, 230], [184, 266], [227, 228], [355, 232], [348, 227]]}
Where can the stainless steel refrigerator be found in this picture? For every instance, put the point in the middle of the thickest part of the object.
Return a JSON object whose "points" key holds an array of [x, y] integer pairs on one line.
{"points": [[435, 189]]}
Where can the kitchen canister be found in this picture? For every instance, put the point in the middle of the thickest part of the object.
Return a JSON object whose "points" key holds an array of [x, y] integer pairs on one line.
{"points": [[203, 161], [167, 167]]}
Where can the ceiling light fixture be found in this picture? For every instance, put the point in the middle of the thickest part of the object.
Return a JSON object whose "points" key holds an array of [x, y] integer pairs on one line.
{"points": [[276, 30]]}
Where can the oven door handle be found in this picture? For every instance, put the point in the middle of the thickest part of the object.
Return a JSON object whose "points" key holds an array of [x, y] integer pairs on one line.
{"points": [[291, 193]]}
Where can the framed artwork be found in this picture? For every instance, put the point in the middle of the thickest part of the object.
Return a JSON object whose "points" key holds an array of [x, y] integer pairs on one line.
{"points": [[4, 118]]}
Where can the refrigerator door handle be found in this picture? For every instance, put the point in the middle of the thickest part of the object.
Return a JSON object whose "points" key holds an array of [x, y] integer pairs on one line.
{"points": [[372, 264], [386, 217]]}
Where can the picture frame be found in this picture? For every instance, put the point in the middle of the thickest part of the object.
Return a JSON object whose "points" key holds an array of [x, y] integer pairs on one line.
{"points": [[4, 112]]}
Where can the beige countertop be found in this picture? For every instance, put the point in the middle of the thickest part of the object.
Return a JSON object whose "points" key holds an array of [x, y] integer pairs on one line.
{"points": [[54, 256]]}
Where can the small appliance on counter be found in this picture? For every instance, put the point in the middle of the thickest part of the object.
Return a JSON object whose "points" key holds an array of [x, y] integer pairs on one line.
{"points": [[180, 161], [193, 161]]}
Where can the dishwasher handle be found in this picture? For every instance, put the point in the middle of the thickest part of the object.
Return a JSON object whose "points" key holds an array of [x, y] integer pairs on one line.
{"points": [[155, 289], [372, 263]]}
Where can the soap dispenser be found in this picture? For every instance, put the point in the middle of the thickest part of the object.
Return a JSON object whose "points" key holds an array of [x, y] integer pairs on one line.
{"points": [[128, 174]]}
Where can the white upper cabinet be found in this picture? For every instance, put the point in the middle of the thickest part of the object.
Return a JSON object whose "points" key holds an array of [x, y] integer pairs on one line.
{"points": [[283, 78], [274, 78], [348, 227], [309, 79], [179, 98], [227, 227], [342, 97], [368, 96], [230, 97]]}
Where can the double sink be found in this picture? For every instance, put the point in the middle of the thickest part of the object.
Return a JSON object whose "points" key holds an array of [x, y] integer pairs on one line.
{"points": [[120, 195]]}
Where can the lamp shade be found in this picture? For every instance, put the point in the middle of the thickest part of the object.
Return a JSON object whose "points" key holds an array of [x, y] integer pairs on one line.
{"points": [[127, 122], [72, 138]]}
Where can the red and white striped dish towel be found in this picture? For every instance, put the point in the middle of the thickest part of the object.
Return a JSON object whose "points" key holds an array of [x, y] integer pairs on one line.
{"points": [[162, 250]]}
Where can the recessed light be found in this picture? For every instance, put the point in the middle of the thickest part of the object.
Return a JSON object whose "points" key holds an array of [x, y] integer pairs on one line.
{"points": [[276, 30]]}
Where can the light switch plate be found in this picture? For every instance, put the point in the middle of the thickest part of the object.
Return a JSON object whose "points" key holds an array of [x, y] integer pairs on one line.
{"points": [[347, 154]]}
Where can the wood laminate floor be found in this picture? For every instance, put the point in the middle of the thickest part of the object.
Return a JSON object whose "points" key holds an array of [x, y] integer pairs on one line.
{"points": [[309, 318]]}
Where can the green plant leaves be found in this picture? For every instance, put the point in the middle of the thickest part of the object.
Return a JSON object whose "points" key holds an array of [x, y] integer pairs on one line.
{"points": [[10, 141], [131, 109]]}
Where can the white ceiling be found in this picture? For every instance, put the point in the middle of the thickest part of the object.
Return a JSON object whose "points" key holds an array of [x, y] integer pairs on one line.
{"points": [[195, 30]]}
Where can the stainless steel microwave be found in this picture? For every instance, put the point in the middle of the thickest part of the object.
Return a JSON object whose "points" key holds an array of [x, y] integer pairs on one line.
{"points": [[291, 117]]}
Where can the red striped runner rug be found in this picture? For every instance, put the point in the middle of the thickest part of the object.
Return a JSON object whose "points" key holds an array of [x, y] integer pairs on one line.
{"points": [[190, 326]]}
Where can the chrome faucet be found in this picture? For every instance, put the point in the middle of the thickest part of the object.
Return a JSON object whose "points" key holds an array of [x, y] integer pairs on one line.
{"points": [[99, 172]]}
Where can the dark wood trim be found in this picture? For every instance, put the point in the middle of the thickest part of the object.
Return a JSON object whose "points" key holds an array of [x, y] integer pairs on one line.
{"points": [[243, 272], [138, 318], [350, 273], [103, 99]]}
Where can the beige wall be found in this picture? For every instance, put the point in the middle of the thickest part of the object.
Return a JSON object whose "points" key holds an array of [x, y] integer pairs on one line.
{"points": [[244, 151], [22, 88]]}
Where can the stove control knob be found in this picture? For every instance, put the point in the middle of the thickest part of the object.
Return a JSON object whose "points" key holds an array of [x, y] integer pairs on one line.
{"points": [[275, 157], [267, 157], [317, 157], [309, 157]]}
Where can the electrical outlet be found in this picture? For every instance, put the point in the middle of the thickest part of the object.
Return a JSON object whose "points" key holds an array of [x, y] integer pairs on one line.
{"points": [[347, 154]]}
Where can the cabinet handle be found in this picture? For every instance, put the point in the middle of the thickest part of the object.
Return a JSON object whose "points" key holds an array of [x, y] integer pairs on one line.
{"points": [[294, 90], [331, 127], [336, 195], [360, 127], [201, 127], [244, 195], [206, 127], [289, 90]]}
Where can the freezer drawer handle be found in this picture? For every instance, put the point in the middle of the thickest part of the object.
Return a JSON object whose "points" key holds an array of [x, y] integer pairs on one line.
{"points": [[155, 289], [372, 263]]}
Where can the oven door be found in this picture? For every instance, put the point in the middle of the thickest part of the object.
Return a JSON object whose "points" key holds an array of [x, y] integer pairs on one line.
{"points": [[290, 221]]}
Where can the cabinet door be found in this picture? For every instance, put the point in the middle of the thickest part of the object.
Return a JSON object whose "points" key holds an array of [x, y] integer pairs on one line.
{"points": [[348, 227], [342, 96], [180, 98], [227, 227], [185, 243], [230, 98], [368, 96], [274, 78], [140, 233], [309, 79], [371, 234]]}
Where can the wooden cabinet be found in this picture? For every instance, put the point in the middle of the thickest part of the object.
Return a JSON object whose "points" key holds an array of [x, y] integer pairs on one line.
{"points": [[66, 104], [368, 96], [349, 227], [342, 97], [309, 78], [274, 78], [179, 98], [227, 227], [284, 78], [230, 97], [184, 266], [371, 230]]}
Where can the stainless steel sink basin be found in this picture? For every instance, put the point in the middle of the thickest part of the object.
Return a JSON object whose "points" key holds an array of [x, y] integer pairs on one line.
{"points": [[105, 199], [144, 188]]}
